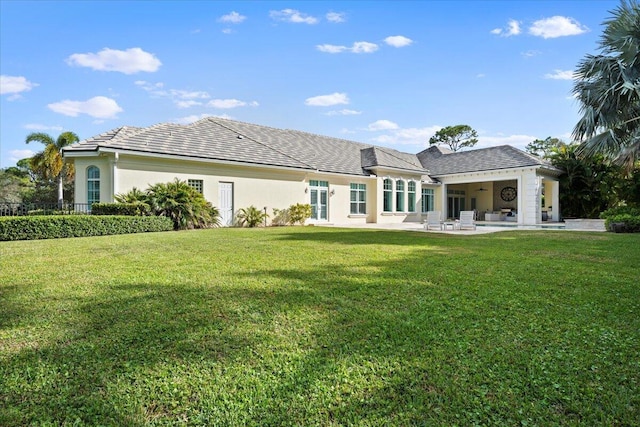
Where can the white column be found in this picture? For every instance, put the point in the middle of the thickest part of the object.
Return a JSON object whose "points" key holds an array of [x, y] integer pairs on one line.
{"points": [[555, 200], [114, 177]]}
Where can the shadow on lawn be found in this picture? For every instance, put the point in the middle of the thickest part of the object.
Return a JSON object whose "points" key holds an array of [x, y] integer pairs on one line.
{"points": [[322, 345]]}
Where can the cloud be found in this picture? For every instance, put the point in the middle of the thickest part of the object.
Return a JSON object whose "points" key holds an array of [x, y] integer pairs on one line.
{"points": [[398, 41], [39, 127], [230, 103], [15, 155], [382, 125], [408, 136], [560, 75], [481, 76], [327, 100], [99, 107], [531, 53], [14, 85], [232, 18], [195, 117], [512, 29], [358, 47], [336, 17], [344, 112], [557, 26], [128, 61], [518, 141], [182, 98], [292, 15]]}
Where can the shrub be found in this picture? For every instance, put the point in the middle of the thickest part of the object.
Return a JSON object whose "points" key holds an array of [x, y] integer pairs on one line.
{"points": [[622, 219], [129, 209], [281, 216], [60, 226], [186, 207], [299, 213], [251, 217]]}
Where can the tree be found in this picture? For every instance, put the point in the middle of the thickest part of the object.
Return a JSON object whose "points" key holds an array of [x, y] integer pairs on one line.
{"points": [[456, 137], [543, 147], [608, 89], [49, 162]]}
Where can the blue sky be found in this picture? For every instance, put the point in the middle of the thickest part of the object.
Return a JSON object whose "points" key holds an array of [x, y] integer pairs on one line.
{"points": [[386, 73]]}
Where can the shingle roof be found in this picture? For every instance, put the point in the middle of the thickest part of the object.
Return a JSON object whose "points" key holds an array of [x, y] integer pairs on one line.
{"points": [[214, 138], [221, 139], [445, 162]]}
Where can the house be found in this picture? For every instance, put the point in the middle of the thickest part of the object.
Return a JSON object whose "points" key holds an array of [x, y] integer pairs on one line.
{"points": [[236, 164]]}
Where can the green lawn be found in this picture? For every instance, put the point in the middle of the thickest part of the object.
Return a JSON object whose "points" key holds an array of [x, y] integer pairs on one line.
{"points": [[316, 326]]}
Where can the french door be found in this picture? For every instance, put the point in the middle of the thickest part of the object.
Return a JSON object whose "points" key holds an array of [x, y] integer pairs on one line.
{"points": [[319, 192]]}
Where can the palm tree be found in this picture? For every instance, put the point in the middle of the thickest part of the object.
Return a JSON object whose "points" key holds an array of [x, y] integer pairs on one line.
{"points": [[49, 162], [608, 89]]}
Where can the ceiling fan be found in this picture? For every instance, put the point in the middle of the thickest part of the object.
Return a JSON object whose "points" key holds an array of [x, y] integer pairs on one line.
{"points": [[482, 189]]}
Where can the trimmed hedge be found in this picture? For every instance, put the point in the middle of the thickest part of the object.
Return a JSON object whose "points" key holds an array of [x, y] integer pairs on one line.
{"points": [[130, 209], [60, 226], [623, 219]]}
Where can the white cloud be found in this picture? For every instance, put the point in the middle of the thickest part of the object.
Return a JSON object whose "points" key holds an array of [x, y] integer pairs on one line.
{"points": [[191, 119], [530, 53], [327, 100], [336, 17], [16, 155], [358, 47], [230, 103], [15, 85], [184, 94], [512, 29], [408, 136], [227, 31], [560, 75], [128, 61], [330, 48], [481, 76], [99, 107], [292, 15], [232, 18], [518, 141], [382, 125], [557, 26], [398, 41], [364, 47], [39, 127], [187, 104], [344, 112]]}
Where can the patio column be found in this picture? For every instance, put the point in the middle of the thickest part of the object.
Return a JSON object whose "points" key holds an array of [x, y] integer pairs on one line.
{"points": [[114, 176], [555, 200]]}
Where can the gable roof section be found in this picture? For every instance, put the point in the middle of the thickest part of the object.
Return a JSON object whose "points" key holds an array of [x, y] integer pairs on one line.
{"points": [[221, 139], [445, 162]]}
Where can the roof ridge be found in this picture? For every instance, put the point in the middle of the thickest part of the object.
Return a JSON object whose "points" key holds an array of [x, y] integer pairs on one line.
{"points": [[262, 143], [400, 158]]}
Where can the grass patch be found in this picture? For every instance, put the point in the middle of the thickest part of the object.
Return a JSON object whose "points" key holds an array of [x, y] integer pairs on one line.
{"points": [[318, 326]]}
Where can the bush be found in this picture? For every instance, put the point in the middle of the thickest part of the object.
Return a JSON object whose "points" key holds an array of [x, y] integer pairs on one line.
{"points": [[60, 226], [251, 217], [299, 213], [128, 209], [622, 219]]}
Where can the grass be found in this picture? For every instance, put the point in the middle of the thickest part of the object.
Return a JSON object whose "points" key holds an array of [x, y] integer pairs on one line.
{"points": [[316, 326]]}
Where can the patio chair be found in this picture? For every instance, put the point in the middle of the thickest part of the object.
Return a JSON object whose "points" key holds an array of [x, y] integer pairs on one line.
{"points": [[433, 220], [467, 220]]}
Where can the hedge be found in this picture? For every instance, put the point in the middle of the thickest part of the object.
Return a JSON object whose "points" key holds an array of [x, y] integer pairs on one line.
{"points": [[130, 209], [622, 219], [60, 226]]}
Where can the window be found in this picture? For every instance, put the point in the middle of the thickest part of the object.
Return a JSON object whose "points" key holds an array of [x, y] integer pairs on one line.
{"points": [[412, 196], [196, 184], [93, 185], [314, 183], [428, 199], [387, 201], [358, 199], [399, 196]]}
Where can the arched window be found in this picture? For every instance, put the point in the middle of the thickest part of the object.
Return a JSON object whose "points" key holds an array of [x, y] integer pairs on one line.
{"points": [[93, 185], [387, 200]]}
